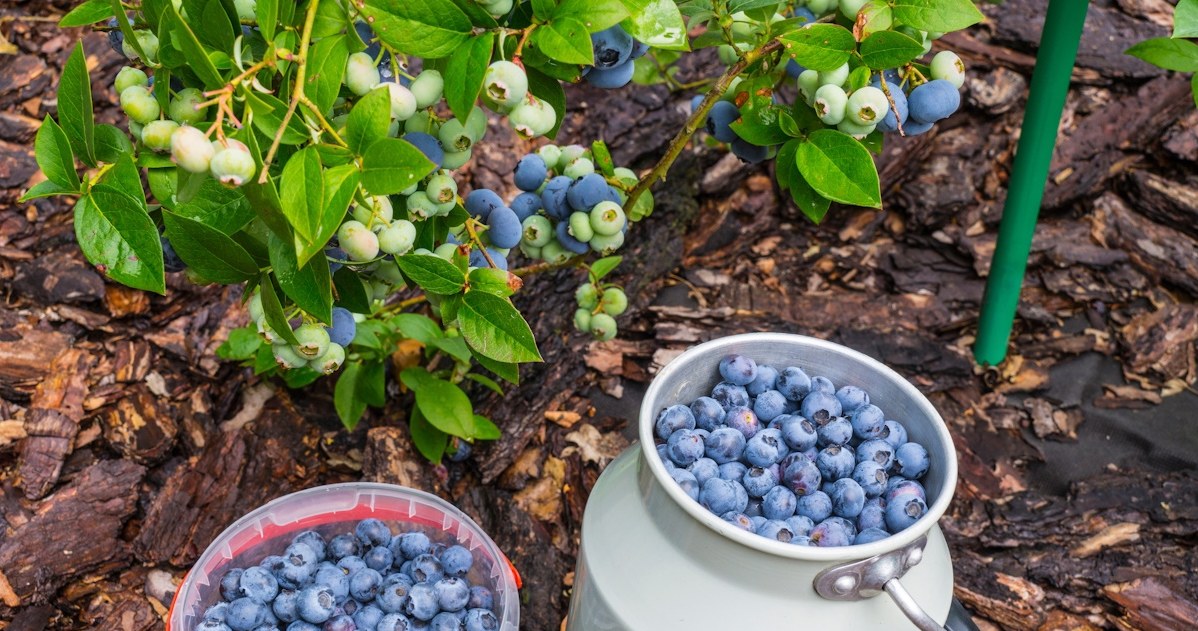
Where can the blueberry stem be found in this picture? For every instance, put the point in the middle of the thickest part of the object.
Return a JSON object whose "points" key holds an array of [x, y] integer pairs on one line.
{"points": [[301, 74]]}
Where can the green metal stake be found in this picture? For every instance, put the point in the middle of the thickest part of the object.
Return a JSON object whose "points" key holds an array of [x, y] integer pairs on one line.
{"points": [[1050, 83]]}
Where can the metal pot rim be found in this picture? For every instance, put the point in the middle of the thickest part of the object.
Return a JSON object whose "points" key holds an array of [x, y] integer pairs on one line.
{"points": [[777, 548]]}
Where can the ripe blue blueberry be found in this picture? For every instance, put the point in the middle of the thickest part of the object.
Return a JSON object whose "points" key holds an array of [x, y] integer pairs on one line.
{"points": [[835, 462], [612, 78], [481, 598], [740, 520], [299, 562], [837, 431], [456, 560], [340, 622], [428, 145], [704, 469], [445, 621], [530, 172], [778, 503], [422, 602], [342, 546], [719, 124], [870, 535], [217, 612], [526, 205], [769, 405], [553, 197], [793, 383], [848, 498], [414, 544], [685, 447], [316, 604], [311, 538], [341, 333], [851, 398], [395, 622], [481, 619], [911, 460], [730, 395], [876, 451], [833, 532], [873, 514], [286, 606], [890, 122], [758, 481], [903, 488], [672, 419], [798, 433], [505, 230], [777, 530], [823, 384], [379, 558], [372, 532], [732, 470], [367, 618], [300, 625], [894, 433], [802, 477], [867, 422], [453, 593], [819, 407], [230, 585], [725, 444], [933, 101], [259, 584], [707, 412], [588, 191], [349, 565], [719, 496], [687, 481], [766, 379], [393, 594], [426, 568], [765, 448], [743, 420], [816, 506], [613, 47], [335, 578], [903, 512], [799, 525], [245, 614], [748, 152], [482, 202]]}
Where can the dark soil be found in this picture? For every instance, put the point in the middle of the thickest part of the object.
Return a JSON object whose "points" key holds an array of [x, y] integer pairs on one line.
{"points": [[126, 446]]}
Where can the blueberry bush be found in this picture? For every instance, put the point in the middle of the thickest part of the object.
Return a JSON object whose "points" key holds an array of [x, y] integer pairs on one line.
{"points": [[1179, 51], [308, 151]]}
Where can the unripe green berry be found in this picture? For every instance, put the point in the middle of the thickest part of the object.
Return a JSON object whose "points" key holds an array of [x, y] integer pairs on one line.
{"points": [[808, 84], [428, 88], [139, 103], [129, 77], [184, 108], [607, 218], [605, 244], [361, 75], [441, 189], [581, 167], [358, 242], [287, 357], [254, 306], [403, 102], [554, 254], [454, 137], [533, 118], [313, 340], [246, 9], [948, 66], [603, 327], [135, 128], [388, 271], [551, 154], [853, 129], [421, 122], [580, 227], [626, 175], [820, 7], [830, 103], [157, 135], [191, 150], [233, 164], [569, 154], [375, 215], [642, 208], [476, 124], [531, 251], [268, 334], [421, 207], [587, 296], [537, 231], [614, 301], [867, 106], [497, 8], [835, 77], [850, 8], [446, 251], [398, 238], [582, 320], [149, 45], [504, 85], [455, 160], [330, 361]]}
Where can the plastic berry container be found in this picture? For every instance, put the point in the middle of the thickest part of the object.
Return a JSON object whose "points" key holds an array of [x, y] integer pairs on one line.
{"points": [[332, 510]]}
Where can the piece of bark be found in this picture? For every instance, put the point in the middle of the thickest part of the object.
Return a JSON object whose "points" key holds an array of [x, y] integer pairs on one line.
{"points": [[74, 531], [391, 458], [1160, 344], [140, 426], [1156, 250], [1170, 203], [53, 421], [60, 277], [1152, 604], [27, 352]]}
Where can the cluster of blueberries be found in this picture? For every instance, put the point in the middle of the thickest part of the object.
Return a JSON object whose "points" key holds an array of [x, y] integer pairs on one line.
{"points": [[615, 55], [792, 458], [598, 308], [321, 348], [369, 580]]}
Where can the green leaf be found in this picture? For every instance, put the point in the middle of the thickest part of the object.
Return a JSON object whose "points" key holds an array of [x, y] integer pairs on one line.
{"points": [[494, 328], [595, 14], [264, 197], [126, 178], [216, 29], [351, 293], [331, 19], [477, 13], [197, 57], [122, 18], [369, 120], [111, 143], [543, 9], [604, 266], [858, 78], [1194, 88], [302, 192], [89, 12], [565, 39], [117, 235], [657, 23], [549, 90], [1170, 54], [309, 286], [484, 429], [889, 49], [507, 371], [424, 28], [210, 252], [820, 47], [273, 310], [455, 347], [267, 12], [759, 121], [350, 407], [75, 106], [487, 383], [54, 156], [464, 74], [429, 441], [326, 70], [241, 345], [340, 183], [223, 209], [936, 15], [46, 188], [1185, 19], [414, 326], [492, 281], [432, 273], [392, 165], [443, 404], [268, 117], [840, 168]]}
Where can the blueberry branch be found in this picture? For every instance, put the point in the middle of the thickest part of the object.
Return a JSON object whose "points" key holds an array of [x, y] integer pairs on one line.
{"points": [[696, 120], [301, 75]]}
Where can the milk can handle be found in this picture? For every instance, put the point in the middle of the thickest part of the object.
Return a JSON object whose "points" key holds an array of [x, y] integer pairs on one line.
{"points": [[868, 578]]}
